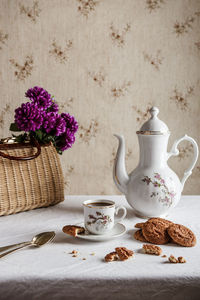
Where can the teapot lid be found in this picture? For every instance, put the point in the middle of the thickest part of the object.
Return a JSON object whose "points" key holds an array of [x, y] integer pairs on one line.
{"points": [[154, 126]]}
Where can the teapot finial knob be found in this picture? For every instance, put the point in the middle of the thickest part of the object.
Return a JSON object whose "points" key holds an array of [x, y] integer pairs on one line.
{"points": [[154, 111]]}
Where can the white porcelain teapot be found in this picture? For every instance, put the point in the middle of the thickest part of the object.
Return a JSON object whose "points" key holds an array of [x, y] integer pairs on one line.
{"points": [[152, 189]]}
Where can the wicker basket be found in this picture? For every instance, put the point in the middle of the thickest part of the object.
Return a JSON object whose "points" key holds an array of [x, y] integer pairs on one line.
{"points": [[30, 177]]}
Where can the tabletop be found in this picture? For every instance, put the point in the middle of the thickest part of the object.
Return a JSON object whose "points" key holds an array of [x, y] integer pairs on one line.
{"points": [[51, 272]]}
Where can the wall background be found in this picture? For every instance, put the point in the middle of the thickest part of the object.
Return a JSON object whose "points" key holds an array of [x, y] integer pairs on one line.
{"points": [[106, 62]]}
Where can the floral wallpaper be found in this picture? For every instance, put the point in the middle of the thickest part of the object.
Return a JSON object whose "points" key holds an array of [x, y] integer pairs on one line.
{"points": [[106, 62]]}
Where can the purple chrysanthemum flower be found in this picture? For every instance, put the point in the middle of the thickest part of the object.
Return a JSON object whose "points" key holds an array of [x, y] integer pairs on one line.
{"points": [[66, 140], [54, 123], [71, 123], [42, 114], [60, 126], [53, 107], [49, 121], [40, 97], [28, 117]]}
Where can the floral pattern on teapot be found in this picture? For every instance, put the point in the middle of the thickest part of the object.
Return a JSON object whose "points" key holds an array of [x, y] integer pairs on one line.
{"points": [[166, 197]]}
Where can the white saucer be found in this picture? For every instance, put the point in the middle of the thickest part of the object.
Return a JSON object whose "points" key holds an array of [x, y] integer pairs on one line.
{"points": [[118, 230]]}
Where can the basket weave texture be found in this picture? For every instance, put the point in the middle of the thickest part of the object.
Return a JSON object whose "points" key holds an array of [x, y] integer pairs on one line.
{"points": [[35, 183]]}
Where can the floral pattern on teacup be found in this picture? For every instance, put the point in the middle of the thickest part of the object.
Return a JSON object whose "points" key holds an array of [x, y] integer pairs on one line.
{"points": [[104, 219]]}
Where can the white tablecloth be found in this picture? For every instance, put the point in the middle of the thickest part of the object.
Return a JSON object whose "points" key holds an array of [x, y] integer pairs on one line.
{"points": [[50, 272]]}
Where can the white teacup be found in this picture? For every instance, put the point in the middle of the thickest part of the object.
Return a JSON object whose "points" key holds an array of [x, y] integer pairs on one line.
{"points": [[99, 215]]}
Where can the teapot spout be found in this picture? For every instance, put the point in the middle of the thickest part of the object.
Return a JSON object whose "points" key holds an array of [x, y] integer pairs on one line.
{"points": [[120, 175]]}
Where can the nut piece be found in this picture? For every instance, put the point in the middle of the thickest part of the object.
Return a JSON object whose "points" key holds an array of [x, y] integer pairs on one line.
{"points": [[73, 230], [74, 252], [164, 255], [75, 255], [152, 249], [173, 259], [181, 260], [111, 257], [124, 253]]}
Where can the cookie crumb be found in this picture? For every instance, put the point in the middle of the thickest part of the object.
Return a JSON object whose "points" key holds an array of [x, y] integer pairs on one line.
{"points": [[164, 255], [73, 230], [83, 258], [111, 257], [75, 255], [172, 259], [181, 260], [120, 253], [152, 249], [124, 253], [74, 252]]}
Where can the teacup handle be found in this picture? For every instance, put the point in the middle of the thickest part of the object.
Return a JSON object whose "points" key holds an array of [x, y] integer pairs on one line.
{"points": [[117, 220]]}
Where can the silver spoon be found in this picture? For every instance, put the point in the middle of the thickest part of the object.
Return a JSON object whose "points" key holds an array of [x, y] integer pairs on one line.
{"points": [[37, 241]]}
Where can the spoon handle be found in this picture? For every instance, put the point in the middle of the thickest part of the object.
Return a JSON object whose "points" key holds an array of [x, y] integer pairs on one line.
{"points": [[10, 251], [2, 249]]}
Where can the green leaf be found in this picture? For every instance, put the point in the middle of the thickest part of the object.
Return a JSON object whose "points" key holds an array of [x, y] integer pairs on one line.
{"points": [[14, 127], [50, 138], [39, 135], [59, 151], [21, 138]]}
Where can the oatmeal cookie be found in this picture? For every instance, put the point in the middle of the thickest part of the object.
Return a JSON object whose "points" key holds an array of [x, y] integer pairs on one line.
{"points": [[161, 220], [155, 231], [139, 225], [124, 253], [73, 230], [111, 257], [138, 235], [182, 235], [152, 249]]}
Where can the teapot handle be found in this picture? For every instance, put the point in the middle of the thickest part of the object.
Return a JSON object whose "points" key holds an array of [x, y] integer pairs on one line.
{"points": [[174, 151]]}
